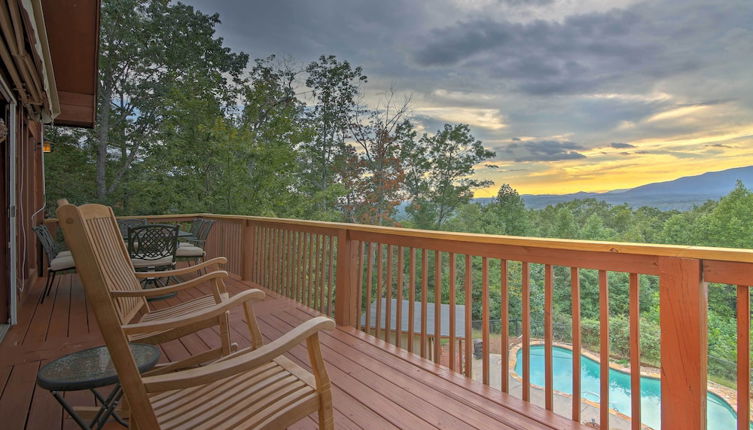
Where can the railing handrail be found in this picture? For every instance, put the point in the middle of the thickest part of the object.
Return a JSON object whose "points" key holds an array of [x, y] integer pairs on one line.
{"points": [[660, 250]]}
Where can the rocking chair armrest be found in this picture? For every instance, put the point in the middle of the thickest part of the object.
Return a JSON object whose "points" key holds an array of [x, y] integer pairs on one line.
{"points": [[240, 362], [161, 291], [194, 317], [182, 271]]}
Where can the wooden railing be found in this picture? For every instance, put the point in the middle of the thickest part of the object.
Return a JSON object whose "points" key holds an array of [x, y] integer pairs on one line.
{"points": [[376, 278]]}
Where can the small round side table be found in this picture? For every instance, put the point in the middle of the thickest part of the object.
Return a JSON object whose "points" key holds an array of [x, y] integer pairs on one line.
{"points": [[90, 369]]}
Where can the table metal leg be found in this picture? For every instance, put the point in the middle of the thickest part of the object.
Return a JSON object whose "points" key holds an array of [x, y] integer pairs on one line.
{"points": [[108, 407], [70, 411]]}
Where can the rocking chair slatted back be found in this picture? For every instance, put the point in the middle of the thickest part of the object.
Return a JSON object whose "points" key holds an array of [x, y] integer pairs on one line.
{"points": [[111, 245], [92, 234]]}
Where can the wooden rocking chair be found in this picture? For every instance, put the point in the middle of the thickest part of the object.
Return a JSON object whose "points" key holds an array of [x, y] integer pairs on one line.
{"points": [[131, 304], [250, 388]]}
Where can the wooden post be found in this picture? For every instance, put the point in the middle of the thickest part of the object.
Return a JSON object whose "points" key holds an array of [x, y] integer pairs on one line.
{"points": [[346, 307], [683, 304], [247, 251]]}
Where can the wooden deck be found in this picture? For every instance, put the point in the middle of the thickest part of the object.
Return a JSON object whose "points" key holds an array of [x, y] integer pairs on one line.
{"points": [[376, 386]]}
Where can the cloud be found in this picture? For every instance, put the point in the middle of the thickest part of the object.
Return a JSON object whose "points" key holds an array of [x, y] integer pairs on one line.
{"points": [[542, 150], [543, 57], [484, 118], [620, 145], [526, 2]]}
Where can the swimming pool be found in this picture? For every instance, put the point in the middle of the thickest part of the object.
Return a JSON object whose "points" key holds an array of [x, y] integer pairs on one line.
{"points": [[720, 413]]}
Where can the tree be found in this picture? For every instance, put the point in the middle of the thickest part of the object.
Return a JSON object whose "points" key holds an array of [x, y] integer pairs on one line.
{"points": [[507, 213], [147, 50], [375, 173], [334, 87], [439, 177], [274, 120]]}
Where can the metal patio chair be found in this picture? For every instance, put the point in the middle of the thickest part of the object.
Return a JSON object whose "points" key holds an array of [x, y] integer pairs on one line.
{"points": [[152, 248], [59, 260]]}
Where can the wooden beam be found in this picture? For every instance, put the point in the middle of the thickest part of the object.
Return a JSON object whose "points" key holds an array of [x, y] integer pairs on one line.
{"points": [[683, 301], [346, 310], [247, 251]]}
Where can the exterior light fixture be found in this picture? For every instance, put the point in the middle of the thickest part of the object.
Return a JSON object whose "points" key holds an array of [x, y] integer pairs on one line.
{"points": [[46, 146]]}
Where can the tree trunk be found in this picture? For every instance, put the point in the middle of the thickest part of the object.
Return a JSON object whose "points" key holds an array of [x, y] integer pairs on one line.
{"points": [[103, 140]]}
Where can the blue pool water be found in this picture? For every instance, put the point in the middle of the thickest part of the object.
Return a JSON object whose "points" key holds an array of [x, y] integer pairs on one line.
{"points": [[720, 413]]}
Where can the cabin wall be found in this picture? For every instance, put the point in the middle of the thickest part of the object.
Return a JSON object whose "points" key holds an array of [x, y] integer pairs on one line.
{"points": [[30, 199], [21, 161]]}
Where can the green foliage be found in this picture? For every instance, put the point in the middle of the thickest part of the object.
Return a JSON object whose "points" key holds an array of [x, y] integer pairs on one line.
{"points": [[439, 178]]}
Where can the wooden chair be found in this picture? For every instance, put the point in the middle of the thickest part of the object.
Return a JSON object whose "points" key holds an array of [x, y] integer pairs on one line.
{"points": [[251, 388], [131, 303]]}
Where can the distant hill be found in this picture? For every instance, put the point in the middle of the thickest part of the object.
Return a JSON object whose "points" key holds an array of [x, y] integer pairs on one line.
{"points": [[681, 194]]}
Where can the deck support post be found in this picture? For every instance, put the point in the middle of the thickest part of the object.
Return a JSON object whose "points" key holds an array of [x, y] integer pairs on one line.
{"points": [[683, 301], [346, 306], [247, 250]]}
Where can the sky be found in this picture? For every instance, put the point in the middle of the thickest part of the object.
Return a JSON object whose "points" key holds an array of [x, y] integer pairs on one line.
{"points": [[572, 95]]}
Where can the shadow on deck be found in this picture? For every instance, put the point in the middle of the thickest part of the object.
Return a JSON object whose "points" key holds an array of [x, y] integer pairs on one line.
{"points": [[376, 385]]}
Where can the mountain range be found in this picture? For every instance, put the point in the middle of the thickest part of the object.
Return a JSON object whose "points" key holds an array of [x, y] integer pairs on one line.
{"points": [[681, 194]]}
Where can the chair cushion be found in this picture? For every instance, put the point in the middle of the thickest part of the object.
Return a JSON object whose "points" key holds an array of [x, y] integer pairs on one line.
{"points": [[64, 254], [62, 263], [182, 244], [189, 251], [141, 263]]}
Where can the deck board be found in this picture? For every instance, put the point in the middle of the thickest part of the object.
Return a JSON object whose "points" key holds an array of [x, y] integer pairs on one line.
{"points": [[375, 385]]}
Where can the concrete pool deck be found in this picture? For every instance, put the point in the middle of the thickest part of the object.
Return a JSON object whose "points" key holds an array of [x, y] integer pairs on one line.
{"points": [[562, 402]]}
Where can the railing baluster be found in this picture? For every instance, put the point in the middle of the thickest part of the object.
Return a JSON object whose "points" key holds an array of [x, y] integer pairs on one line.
{"points": [[635, 353], [411, 297], [575, 294], [743, 357], [259, 254], [437, 307], [604, 350], [281, 264], [468, 341], [317, 301], [275, 260], [280, 261], [525, 298], [369, 285], [301, 264], [297, 266], [388, 298], [287, 266], [310, 269], [380, 280], [399, 299], [504, 329], [453, 352], [331, 281], [485, 319], [326, 254], [359, 285], [548, 373], [424, 299], [271, 243]]}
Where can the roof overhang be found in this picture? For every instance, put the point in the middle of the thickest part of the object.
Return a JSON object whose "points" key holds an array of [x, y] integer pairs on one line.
{"points": [[72, 32]]}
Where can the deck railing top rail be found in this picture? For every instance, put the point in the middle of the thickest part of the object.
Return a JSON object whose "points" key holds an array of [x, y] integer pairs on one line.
{"points": [[683, 251]]}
